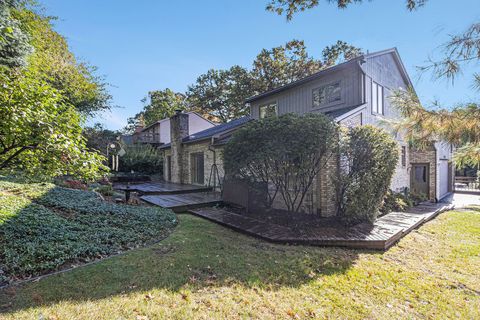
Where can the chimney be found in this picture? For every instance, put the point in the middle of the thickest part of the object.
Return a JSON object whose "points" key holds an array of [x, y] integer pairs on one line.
{"points": [[178, 131]]}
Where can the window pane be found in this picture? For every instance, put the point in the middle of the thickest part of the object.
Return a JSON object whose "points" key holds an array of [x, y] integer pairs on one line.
{"points": [[268, 110], [374, 98], [335, 92], [327, 94], [380, 99], [319, 96]]}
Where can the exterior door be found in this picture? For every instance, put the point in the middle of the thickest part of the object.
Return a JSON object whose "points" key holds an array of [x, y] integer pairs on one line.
{"points": [[197, 169], [420, 179]]}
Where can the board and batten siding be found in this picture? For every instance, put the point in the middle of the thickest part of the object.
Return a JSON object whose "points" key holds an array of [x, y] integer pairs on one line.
{"points": [[299, 99], [385, 71]]}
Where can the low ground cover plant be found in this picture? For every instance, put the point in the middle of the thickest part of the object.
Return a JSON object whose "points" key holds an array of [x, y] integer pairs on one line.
{"points": [[44, 227]]}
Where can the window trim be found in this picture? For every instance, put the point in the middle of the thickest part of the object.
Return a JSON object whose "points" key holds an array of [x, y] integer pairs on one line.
{"points": [[267, 104], [378, 86], [332, 103]]}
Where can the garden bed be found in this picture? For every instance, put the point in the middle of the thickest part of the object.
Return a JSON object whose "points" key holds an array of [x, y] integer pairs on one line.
{"points": [[44, 228]]}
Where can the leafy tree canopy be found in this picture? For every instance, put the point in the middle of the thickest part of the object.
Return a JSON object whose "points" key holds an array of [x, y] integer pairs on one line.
{"points": [[459, 125], [14, 42], [40, 133], [97, 137], [221, 94], [53, 62], [281, 65], [159, 104], [291, 7]]}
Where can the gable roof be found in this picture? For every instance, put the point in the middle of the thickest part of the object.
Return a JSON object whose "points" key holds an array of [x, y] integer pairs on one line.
{"points": [[217, 130], [334, 68], [168, 119]]}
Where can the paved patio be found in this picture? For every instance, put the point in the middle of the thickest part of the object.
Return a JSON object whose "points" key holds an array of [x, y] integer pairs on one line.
{"points": [[385, 232]]}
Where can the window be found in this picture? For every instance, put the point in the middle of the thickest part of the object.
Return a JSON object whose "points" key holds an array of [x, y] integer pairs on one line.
{"points": [[404, 156], [327, 94], [197, 168], [377, 99], [268, 110]]}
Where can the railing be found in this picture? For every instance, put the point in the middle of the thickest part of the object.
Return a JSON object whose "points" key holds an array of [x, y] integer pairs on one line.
{"points": [[467, 184], [150, 138]]}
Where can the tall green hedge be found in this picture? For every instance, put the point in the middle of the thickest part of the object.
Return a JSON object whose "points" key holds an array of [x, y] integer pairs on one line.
{"points": [[368, 157], [141, 158]]}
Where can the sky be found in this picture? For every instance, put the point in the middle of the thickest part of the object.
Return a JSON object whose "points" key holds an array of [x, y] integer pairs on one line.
{"points": [[145, 45]]}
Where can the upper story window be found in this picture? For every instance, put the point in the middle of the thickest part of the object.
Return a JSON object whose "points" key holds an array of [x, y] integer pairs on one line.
{"points": [[404, 156], [327, 94], [377, 99], [268, 110]]}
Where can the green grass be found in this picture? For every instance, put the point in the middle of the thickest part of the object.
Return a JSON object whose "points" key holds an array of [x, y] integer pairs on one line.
{"points": [[44, 228], [206, 271]]}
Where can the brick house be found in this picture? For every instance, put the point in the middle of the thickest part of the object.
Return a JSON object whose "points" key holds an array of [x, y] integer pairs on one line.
{"points": [[352, 93]]}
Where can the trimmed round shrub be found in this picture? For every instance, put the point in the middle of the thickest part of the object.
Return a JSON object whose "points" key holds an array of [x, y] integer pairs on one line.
{"points": [[368, 157]]}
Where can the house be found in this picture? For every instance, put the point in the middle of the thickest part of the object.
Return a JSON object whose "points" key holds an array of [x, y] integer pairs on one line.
{"points": [[158, 133], [357, 92], [352, 93], [197, 158]]}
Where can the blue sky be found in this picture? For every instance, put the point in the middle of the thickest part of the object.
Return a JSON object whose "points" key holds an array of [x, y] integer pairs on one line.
{"points": [[145, 45]]}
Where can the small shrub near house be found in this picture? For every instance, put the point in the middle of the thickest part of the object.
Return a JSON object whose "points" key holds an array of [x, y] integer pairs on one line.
{"points": [[394, 201], [368, 157], [141, 158]]}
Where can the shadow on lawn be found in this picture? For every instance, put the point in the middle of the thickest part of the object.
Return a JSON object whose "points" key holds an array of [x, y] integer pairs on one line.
{"points": [[198, 254]]}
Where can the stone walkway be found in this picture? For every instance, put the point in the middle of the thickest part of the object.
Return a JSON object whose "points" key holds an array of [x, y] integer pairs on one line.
{"points": [[385, 232]]}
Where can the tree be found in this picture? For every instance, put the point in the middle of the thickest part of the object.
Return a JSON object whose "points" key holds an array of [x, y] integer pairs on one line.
{"points": [[291, 7], [98, 137], [284, 64], [285, 152], [459, 125], [40, 133], [14, 42], [368, 157], [221, 94], [159, 104], [53, 62], [281, 65]]}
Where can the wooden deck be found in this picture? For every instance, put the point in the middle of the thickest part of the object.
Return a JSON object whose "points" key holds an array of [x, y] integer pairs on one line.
{"points": [[161, 187], [185, 201], [386, 231]]}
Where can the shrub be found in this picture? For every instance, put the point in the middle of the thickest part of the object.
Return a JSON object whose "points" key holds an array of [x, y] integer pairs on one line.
{"points": [[394, 201], [368, 157], [286, 153], [105, 190], [141, 158]]}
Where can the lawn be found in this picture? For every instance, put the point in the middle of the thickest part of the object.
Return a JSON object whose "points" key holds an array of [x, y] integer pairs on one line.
{"points": [[44, 228], [203, 270]]}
